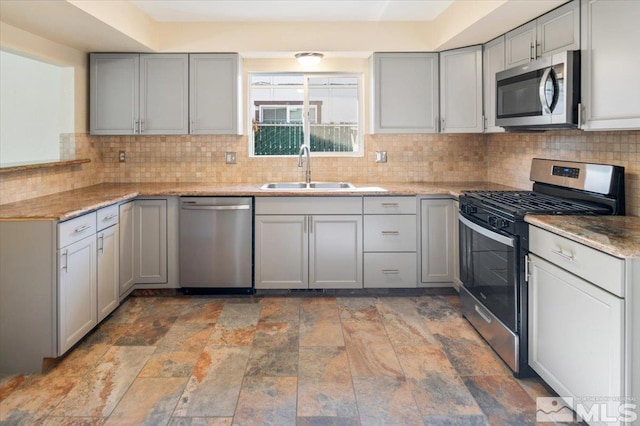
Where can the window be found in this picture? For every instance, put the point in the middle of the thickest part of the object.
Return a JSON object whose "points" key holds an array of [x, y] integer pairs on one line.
{"points": [[36, 111], [280, 102]]}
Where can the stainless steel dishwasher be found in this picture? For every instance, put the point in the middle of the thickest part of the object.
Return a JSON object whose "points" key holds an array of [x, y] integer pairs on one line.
{"points": [[216, 242]]}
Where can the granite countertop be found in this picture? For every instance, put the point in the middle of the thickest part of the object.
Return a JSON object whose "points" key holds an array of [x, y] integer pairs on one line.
{"points": [[68, 204], [616, 235]]}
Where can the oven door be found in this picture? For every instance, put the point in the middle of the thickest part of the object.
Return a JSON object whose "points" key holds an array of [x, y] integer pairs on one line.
{"points": [[489, 270]]}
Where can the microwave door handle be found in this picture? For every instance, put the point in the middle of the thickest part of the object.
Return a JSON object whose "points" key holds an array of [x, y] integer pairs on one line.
{"points": [[542, 89]]}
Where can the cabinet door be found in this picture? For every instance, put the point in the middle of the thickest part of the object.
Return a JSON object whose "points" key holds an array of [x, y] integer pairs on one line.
{"points": [[559, 30], [164, 94], [114, 94], [335, 252], [575, 333], [520, 45], [108, 288], [126, 252], [461, 90], [492, 62], [437, 240], [213, 99], [455, 241], [404, 92], [281, 252], [150, 241], [610, 63], [77, 303]]}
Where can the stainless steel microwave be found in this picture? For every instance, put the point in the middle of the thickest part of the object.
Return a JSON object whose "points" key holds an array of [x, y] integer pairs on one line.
{"points": [[543, 94]]}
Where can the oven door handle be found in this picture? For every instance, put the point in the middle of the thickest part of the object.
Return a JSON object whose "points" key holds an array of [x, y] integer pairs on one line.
{"points": [[487, 233]]}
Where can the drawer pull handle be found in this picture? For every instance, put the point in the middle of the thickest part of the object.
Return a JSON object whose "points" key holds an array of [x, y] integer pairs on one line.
{"points": [[390, 205], [82, 228], [111, 216], [65, 267], [564, 255], [483, 315], [390, 271], [390, 233]]}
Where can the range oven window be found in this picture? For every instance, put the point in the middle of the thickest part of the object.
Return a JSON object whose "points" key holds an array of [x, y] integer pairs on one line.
{"points": [[488, 269]]}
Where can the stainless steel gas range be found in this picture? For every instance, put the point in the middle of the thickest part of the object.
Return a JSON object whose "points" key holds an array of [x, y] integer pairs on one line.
{"points": [[494, 242]]}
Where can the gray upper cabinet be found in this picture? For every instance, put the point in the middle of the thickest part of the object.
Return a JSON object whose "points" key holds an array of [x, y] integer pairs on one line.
{"points": [[461, 90], [114, 93], [610, 63], [139, 94], [164, 94], [492, 62], [214, 93], [404, 92], [551, 33]]}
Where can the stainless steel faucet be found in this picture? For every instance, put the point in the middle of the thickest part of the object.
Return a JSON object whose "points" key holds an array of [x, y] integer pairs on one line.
{"points": [[303, 149]]}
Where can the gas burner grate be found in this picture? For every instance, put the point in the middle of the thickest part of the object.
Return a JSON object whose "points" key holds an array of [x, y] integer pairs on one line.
{"points": [[524, 202]]}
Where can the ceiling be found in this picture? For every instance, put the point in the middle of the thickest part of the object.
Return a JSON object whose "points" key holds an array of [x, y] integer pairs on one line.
{"points": [[266, 28], [292, 10]]}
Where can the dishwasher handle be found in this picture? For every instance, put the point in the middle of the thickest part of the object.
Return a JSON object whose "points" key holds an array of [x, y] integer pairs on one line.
{"points": [[206, 207]]}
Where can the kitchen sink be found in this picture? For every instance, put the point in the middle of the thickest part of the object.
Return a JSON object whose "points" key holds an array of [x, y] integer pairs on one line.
{"points": [[285, 185], [321, 186], [331, 185]]}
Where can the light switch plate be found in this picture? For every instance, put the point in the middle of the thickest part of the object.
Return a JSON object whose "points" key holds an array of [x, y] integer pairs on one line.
{"points": [[381, 156], [230, 157]]}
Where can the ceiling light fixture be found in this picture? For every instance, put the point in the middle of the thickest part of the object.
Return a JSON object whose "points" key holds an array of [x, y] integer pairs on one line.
{"points": [[309, 58]]}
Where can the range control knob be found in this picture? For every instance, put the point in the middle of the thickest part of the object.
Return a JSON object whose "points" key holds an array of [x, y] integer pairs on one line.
{"points": [[469, 209]]}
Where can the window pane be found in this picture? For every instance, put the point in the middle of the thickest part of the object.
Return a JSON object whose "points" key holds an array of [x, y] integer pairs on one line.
{"points": [[336, 126], [278, 104]]}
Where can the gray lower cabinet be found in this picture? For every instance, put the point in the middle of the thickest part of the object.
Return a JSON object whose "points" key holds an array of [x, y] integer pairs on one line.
{"points": [[390, 242], [281, 252], [150, 241], [583, 324], [126, 252], [437, 241], [77, 295], [308, 242], [108, 297]]}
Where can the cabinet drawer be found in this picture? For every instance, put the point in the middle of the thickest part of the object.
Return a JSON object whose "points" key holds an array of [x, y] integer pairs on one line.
{"points": [[390, 205], [107, 216], [76, 229], [595, 266], [308, 205], [390, 233], [390, 270]]}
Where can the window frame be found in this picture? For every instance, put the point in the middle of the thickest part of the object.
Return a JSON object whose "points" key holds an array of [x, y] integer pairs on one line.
{"points": [[306, 105]]}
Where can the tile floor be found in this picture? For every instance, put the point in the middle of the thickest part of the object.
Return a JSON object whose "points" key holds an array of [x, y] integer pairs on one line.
{"points": [[276, 360]]}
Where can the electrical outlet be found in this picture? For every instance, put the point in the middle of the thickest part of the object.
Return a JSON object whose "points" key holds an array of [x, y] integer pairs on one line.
{"points": [[122, 156], [230, 158], [381, 156]]}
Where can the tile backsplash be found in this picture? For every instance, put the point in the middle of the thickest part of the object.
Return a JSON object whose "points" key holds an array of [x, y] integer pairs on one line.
{"points": [[411, 158], [510, 156], [501, 158]]}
